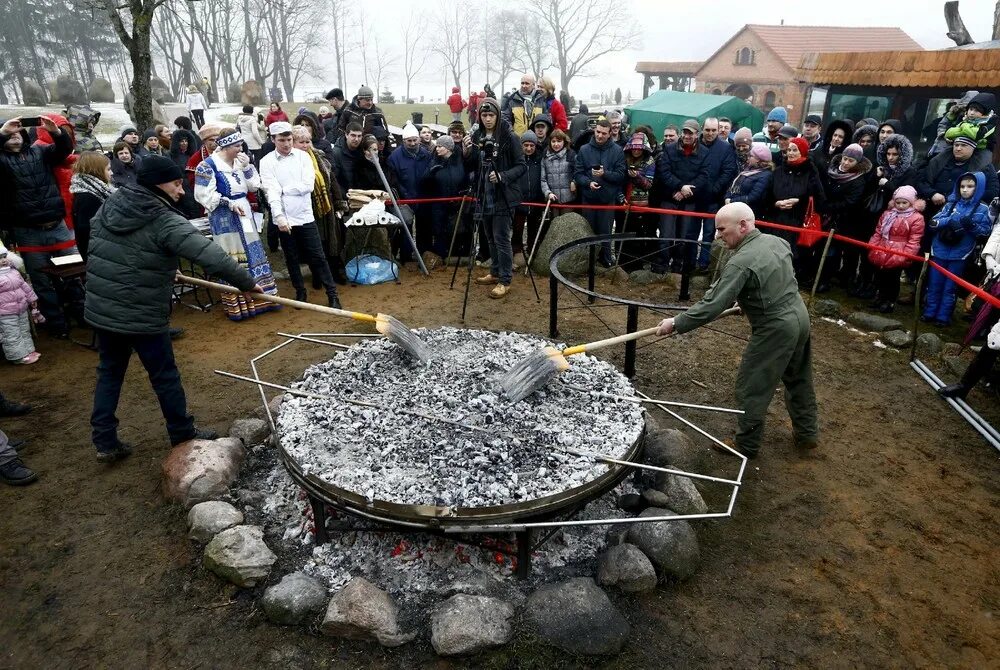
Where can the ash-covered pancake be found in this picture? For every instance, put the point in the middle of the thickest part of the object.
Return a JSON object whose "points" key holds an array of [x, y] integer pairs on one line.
{"points": [[387, 455]]}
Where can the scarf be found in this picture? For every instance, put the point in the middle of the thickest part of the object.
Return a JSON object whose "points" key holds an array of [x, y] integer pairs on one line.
{"points": [[85, 183], [838, 175], [321, 191], [800, 161], [893, 215]]}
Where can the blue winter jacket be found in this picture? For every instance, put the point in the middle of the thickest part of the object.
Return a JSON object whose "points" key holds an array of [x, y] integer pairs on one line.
{"points": [[612, 158], [409, 170], [970, 216], [721, 165], [751, 189]]}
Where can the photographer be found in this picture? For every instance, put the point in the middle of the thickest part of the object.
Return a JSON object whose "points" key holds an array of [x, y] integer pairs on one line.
{"points": [[493, 153]]}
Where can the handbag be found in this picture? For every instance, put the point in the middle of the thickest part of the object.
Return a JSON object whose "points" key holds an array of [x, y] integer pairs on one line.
{"points": [[877, 201], [812, 226]]}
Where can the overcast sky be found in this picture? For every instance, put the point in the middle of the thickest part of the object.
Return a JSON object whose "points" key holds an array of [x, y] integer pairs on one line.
{"points": [[676, 30]]}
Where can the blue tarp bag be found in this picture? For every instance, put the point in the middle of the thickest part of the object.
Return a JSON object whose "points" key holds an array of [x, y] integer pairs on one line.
{"points": [[370, 269]]}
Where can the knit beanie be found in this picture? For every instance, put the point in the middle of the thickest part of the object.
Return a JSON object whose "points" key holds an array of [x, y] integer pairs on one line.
{"points": [[803, 145], [779, 114], [409, 131], [489, 105], [456, 125], [965, 139], [446, 142], [854, 151], [743, 137], [155, 170], [529, 136], [760, 151], [365, 92], [907, 193], [638, 141]]}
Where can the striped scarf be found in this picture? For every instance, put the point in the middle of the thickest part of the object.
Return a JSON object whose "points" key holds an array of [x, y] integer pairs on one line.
{"points": [[321, 191]]}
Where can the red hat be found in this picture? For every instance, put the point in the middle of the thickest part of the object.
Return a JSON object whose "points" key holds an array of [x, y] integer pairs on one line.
{"points": [[802, 144], [455, 89]]}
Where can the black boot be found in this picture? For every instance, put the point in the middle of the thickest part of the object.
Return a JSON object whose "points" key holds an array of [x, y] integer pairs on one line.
{"points": [[333, 301], [11, 408], [17, 473], [301, 295], [978, 368]]}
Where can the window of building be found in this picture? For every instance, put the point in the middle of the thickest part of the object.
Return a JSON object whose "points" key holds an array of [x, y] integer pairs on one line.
{"points": [[857, 107], [745, 56], [817, 100], [716, 91], [769, 99]]}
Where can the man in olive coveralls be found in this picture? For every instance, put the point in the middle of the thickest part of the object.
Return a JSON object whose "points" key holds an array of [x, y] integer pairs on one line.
{"points": [[760, 278]]}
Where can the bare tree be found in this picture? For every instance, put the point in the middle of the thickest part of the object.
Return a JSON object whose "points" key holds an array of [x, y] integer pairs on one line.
{"points": [[583, 31], [957, 32], [502, 34], [451, 47], [339, 13], [138, 14], [535, 47], [414, 54]]}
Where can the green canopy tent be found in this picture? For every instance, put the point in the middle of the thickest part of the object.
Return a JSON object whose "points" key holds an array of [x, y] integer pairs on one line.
{"points": [[664, 108]]}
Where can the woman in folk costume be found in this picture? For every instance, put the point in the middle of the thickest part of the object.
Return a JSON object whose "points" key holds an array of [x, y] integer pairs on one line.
{"points": [[221, 184]]}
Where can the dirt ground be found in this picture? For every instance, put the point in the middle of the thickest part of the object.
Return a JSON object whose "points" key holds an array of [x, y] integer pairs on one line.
{"points": [[880, 550]]}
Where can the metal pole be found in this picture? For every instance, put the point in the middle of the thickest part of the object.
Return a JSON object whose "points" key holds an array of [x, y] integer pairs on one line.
{"points": [[819, 270], [916, 306], [631, 325], [534, 247], [977, 422], [553, 306], [591, 273], [669, 403], [454, 232]]}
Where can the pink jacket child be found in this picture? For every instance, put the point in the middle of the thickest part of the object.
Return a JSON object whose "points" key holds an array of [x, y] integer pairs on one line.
{"points": [[898, 229], [17, 300]]}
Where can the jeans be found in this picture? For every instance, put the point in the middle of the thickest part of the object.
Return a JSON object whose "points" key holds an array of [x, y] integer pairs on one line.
{"points": [[198, 116], [600, 221], [7, 453], [304, 239], [49, 302], [682, 227], [940, 300], [156, 353], [501, 253], [707, 235]]}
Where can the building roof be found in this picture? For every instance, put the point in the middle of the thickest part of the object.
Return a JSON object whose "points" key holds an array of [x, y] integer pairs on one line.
{"points": [[950, 68], [668, 67], [790, 43]]}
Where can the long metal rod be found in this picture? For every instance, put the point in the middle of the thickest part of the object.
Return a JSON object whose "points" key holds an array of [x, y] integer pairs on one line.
{"points": [[977, 422], [402, 221], [651, 401], [372, 335], [644, 466], [351, 401], [515, 527], [303, 338], [256, 374], [959, 404]]}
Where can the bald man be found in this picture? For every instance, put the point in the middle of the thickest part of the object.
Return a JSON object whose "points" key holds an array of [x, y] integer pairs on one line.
{"points": [[759, 277]]}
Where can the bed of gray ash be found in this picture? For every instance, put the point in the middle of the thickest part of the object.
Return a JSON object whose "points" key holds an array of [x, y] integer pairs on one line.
{"points": [[383, 454]]}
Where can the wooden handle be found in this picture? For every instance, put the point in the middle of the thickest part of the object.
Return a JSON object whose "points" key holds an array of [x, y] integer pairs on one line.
{"points": [[628, 337], [278, 300]]}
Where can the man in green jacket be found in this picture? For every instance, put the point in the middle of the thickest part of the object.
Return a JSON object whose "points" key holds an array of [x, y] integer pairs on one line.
{"points": [[135, 240], [759, 276]]}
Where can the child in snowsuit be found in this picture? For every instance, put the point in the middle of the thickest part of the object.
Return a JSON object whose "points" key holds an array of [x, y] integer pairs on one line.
{"points": [[962, 219], [898, 229], [17, 300]]}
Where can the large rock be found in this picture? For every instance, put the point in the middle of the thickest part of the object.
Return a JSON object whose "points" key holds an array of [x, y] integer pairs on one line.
{"points": [[466, 624], [251, 93], [240, 556], [70, 92], [295, 598], [564, 229], [929, 344], [672, 448], [208, 519], [626, 567], [897, 338], [956, 364], [577, 617], [875, 323], [672, 546], [161, 92], [680, 493], [827, 307], [362, 611], [101, 91], [198, 470], [644, 277], [159, 116], [250, 431], [32, 93]]}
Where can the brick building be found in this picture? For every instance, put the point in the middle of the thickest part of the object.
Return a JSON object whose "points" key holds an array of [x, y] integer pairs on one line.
{"points": [[759, 63]]}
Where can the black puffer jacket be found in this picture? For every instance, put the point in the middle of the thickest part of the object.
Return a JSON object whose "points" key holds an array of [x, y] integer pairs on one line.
{"points": [[344, 161], [822, 156], [28, 189], [845, 200], [354, 113], [509, 163], [135, 240]]}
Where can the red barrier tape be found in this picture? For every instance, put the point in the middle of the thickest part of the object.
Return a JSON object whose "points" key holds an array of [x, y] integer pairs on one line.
{"points": [[992, 300], [58, 246]]}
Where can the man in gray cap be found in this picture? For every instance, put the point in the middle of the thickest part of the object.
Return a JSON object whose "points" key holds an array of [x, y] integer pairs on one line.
{"points": [[786, 133], [135, 239], [812, 131], [362, 111]]}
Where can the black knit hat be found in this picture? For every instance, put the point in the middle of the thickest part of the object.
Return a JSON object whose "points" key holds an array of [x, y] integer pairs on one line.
{"points": [[489, 105], [155, 170]]}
